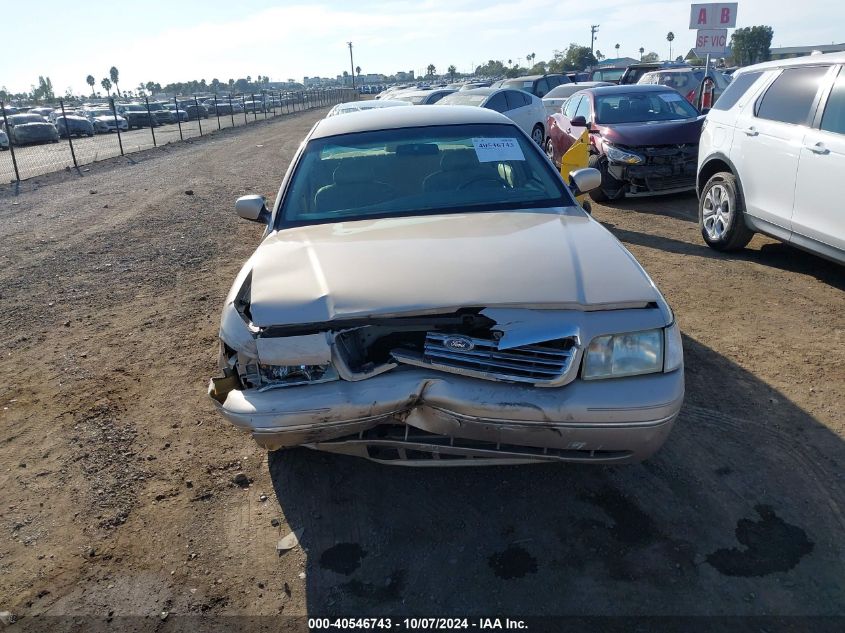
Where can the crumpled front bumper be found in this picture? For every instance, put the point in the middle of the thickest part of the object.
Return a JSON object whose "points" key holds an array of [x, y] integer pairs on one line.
{"points": [[604, 421]]}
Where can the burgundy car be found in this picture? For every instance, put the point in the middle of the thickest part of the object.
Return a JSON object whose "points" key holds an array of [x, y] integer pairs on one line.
{"points": [[643, 138]]}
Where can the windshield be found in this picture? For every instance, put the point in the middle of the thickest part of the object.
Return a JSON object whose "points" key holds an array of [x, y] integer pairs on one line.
{"points": [[564, 91], [610, 74], [100, 113], [458, 98], [25, 118], [639, 107], [414, 98], [418, 171]]}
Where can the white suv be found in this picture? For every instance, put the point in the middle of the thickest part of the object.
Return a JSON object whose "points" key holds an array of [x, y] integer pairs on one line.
{"points": [[772, 154]]}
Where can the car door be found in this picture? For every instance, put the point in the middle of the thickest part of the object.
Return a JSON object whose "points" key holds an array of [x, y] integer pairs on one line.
{"points": [[564, 136], [767, 144], [819, 213], [497, 102], [559, 122], [541, 87], [518, 110]]}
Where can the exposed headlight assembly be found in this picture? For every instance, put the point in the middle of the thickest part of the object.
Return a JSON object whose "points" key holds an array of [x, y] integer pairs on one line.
{"points": [[633, 353], [275, 376], [617, 155]]}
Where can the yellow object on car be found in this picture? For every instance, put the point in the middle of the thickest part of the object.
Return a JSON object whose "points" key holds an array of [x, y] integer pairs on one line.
{"points": [[576, 157]]}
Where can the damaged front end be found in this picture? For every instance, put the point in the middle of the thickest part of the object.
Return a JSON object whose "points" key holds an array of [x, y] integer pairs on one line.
{"points": [[466, 386], [653, 169]]}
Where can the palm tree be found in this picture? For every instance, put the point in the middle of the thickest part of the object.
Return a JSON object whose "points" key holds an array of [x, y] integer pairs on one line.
{"points": [[452, 70], [617, 50], [669, 37], [599, 55], [431, 70], [510, 62], [91, 81], [114, 77], [642, 50], [106, 84]]}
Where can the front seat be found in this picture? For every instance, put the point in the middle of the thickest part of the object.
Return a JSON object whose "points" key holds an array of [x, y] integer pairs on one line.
{"points": [[353, 187], [457, 167]]}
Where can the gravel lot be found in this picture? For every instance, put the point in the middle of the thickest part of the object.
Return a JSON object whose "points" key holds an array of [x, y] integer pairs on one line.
{"points": [[117, 474]]}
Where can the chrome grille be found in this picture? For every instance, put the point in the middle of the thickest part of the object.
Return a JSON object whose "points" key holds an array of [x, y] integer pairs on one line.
{"points": [[536, 364]]}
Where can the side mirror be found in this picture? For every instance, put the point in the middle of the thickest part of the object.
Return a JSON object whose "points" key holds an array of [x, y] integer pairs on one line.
{"points": [[584, 180], [578, 121], [252, 208]]}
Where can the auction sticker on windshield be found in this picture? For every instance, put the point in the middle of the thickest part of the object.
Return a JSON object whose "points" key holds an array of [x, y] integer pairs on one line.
{"points": [[490, 150]]}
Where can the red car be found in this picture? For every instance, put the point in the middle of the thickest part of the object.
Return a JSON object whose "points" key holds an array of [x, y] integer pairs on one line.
{"points": [[643, 138]]}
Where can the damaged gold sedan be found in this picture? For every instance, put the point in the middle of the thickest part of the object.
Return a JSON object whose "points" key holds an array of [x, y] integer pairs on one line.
{"points": [[428, 292]]}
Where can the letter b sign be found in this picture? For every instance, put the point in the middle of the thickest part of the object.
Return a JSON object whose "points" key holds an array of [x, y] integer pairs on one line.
{"points": [[719, 15]]}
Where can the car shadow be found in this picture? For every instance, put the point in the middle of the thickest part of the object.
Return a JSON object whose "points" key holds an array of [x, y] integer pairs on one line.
{"points": [[739, 513], [681, 206], [771, 254]]}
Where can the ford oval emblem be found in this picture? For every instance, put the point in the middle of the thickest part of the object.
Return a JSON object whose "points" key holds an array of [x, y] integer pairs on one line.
{"points": [[459, 343]]}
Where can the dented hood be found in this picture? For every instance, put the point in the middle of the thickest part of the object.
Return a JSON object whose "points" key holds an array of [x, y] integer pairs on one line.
{"points": [[560, 260]]}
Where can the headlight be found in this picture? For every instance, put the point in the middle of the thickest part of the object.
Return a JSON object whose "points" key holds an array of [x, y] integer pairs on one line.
{"points": [[273, 376], [631, 354], [617, 155], [635, 353], [674, 356]]}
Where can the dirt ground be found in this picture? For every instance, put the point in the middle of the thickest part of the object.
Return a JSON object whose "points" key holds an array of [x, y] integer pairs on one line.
{"points": [[117, 473]]}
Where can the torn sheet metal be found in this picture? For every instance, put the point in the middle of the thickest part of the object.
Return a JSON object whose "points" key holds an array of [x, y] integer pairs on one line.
{"points": [[527, 327], [311, 349]]}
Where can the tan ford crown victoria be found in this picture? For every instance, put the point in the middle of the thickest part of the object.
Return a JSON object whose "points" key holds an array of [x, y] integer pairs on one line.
{"points": [[428, 292]]}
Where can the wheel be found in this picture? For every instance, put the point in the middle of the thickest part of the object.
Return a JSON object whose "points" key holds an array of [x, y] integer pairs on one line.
{"points": [[610, 189], [720, 214], [550, 150], [538, 134]]}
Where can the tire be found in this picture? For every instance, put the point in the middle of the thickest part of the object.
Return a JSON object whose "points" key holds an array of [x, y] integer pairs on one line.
{"points": [[550, 151], [538, 134], [721, 214], [597, 162]]}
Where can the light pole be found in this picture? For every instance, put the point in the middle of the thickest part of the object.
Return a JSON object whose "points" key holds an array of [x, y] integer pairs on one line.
{"points": [[593, 30], [351, 64]]}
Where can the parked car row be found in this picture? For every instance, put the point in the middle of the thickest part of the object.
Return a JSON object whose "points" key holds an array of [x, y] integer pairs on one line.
{"points": [[26, 129]]}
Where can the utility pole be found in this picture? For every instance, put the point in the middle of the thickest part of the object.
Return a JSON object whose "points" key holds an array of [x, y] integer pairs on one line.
{"points": [[351, 64], [593, 30]]}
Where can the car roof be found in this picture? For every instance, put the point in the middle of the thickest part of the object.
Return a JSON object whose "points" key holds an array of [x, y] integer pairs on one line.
{"points": [[671, 69], [418, 93], [533, 77], [611, 90], [807, 60], [485, 91], [575, 87], [395, 118]]}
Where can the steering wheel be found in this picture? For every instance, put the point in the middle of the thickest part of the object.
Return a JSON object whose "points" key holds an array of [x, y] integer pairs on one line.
{"points": [[481, 179]]}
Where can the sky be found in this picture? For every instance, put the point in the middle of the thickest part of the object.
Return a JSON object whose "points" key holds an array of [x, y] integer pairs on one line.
{"points": [[166, 40]]}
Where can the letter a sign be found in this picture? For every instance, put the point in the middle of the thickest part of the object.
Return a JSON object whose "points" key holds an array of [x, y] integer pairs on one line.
{"points": [[719, 15]]}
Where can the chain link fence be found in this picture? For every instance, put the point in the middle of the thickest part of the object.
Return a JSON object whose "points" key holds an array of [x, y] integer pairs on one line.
{"points": [[70, 137]]}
